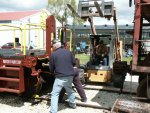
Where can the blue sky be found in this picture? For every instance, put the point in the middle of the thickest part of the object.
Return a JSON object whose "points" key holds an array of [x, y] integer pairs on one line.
{"points": [[124, 12]]}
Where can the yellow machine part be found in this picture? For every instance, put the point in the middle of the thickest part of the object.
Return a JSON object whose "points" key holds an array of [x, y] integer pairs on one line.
{"points": [[99, 75]]}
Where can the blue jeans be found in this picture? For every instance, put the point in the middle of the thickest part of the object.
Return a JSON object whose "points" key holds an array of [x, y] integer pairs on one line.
{"points": [[59, 83], [105, 63]]}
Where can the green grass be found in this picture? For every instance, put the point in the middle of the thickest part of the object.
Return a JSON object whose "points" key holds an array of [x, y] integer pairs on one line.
{"points": [[128, 59], [83, 58]]}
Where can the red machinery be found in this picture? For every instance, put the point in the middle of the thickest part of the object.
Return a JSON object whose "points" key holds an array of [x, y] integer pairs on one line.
{"points": [[141, 47], [18, 73]]}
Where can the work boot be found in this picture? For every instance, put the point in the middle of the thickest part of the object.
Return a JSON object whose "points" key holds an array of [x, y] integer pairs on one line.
{"points": [[84, 100]]}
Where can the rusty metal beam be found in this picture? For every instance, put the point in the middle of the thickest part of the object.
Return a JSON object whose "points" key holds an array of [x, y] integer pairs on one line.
{"points": [[146, 1], [9, 79], [140, 98], [9, 90], [140, 68], [10, 68], [77, 103], [144, 4], [106, 88], [128, 106], [50, 32], [92, 105], [137, 33]]}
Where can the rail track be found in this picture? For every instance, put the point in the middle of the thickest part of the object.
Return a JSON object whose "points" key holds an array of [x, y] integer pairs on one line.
{"points": [[100, 99], [98, 96]]}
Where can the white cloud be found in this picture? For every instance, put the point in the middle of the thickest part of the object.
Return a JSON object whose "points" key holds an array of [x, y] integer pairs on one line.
{"points": [[14, 5], [125, 14], [27, 3]]}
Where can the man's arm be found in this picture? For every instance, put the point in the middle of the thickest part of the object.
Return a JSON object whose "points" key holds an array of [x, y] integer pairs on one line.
{"points": [[51, 64], [73, 59]]}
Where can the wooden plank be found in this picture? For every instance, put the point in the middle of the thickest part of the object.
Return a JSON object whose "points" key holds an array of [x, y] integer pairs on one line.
{"points": [[98, 75]]}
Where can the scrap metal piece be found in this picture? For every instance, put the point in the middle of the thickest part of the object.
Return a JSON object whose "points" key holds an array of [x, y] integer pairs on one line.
{"points": [[128, 106]]}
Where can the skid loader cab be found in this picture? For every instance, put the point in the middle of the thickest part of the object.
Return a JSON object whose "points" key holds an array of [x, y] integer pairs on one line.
{"points": [[99, 49], [97, 70]]}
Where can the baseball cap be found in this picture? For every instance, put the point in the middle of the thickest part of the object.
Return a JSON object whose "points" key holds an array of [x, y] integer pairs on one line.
{"points": [[55, 41]]}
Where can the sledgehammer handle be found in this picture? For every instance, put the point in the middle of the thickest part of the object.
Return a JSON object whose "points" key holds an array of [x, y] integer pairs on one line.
{"points": [[45, 65]]}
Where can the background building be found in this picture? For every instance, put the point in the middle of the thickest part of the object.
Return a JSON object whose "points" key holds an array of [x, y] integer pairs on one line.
{"points": [[24, 26], [82, 33]]}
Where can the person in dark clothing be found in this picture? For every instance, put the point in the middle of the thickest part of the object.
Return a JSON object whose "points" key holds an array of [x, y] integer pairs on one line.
{"points": [[61, 62], [76, 81], [102, 53], [78, 85]]}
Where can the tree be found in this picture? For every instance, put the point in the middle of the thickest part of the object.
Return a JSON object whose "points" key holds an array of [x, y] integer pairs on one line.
{"points": [[76, 20], [59, 9]]}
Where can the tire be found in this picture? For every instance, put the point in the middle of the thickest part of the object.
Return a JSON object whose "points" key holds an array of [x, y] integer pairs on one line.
{"points": [[81, 76], [82, 80], [141, 77], [118, 80], [142, 89], [30, 86]]}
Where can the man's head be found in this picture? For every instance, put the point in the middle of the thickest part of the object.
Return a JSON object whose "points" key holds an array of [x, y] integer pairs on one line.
{"points": [[56, 43]]}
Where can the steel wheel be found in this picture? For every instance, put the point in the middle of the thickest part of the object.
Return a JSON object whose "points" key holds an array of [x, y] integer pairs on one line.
{"points": [[148, 92], [142, 89]]}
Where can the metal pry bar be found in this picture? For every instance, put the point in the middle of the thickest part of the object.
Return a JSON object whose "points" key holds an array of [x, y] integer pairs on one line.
{"points": [[98, 9]]}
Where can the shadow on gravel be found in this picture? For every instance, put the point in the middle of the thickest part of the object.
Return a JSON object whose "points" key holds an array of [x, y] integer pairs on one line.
{"points": [[11, 99], [107, 98], [15, 100]]}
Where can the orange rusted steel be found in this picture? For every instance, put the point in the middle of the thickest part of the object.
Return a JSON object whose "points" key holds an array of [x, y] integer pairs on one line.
{"points": [[19, 73], [50, 29], [141, 13], [128, 106], [12, 76]]}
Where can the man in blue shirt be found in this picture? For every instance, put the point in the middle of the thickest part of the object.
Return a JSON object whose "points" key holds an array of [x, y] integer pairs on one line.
{"points": [[61, 63], [83, 46]]}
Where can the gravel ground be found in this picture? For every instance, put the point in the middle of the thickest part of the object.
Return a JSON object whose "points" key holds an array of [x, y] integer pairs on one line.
{"points": [[11, 103]]}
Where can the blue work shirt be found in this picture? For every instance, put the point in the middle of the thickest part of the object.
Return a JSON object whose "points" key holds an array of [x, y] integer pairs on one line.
{"points": [[83, 44], [61, 62]]}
